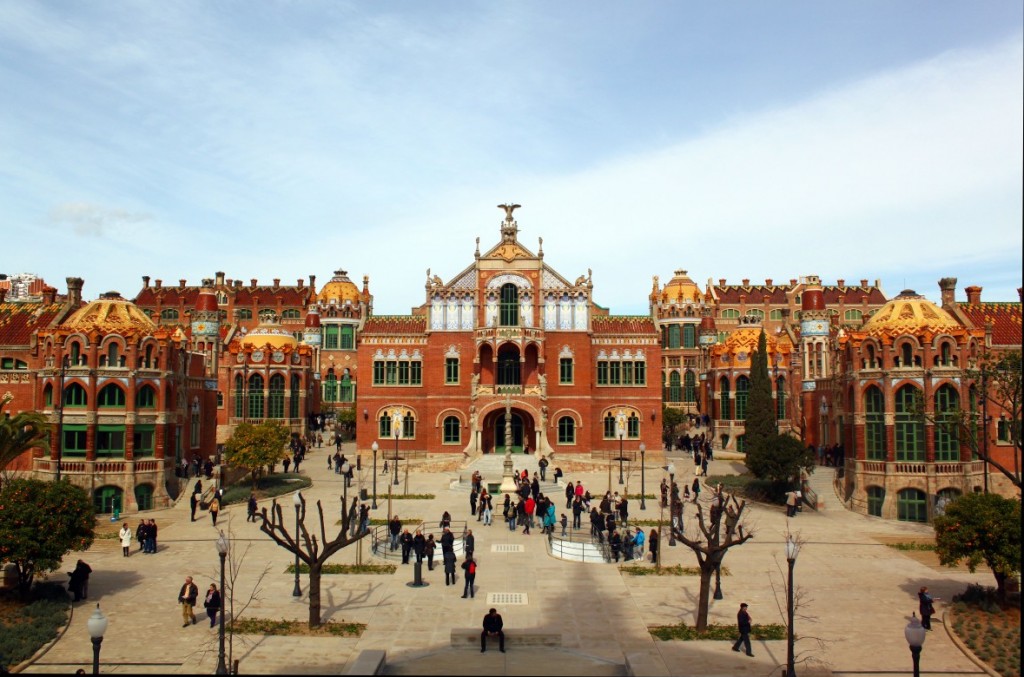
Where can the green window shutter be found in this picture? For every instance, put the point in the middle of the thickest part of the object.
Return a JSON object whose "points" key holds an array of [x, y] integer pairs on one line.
{"points": [[348, 337]]}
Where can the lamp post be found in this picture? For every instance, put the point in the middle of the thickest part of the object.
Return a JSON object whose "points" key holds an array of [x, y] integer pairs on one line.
{"points": [[60, 416], [622, 434], [915, 634], [643, 485], [97, 625], [223, 546], [375, 447], [672, 504], [345, 468], [297, 500], [792, 550]]}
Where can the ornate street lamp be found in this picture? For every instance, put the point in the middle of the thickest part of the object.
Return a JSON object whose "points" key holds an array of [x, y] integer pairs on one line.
{"points": [[643, 501], [622, 434], [97, 625], [915, 634], [297, 500], [375, 447], [672, 504], [396, 429], [60, 416], [223, 546], [792, 550]]}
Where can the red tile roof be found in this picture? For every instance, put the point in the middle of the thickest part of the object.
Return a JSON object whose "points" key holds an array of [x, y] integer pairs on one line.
{"points": [[623, 324], [18, 321], [395, 324], [757, 293], [244, 296], [1004, 316]]}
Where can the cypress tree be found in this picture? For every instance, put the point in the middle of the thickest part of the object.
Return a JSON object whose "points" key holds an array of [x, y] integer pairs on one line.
{"points": [[761, 425]]}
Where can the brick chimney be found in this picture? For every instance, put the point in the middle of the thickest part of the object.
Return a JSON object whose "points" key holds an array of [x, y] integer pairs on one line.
{"points": [[792, 282], [252, 283], [277, 282], [973, 294], [145, 281], [768, 281], [49, 295], [947, 287], [840, 282], [219, 277], [3, 294], [159, 283], [300, 283], [74, 290], [863, 283], [181, 284], [746, 282], [721, 282]]}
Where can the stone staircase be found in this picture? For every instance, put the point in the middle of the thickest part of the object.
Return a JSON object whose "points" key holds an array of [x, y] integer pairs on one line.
{"points": [[491, 467], [821, 484]]}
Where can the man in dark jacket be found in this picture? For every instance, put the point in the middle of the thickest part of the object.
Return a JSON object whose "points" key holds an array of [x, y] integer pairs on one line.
{"points": [[193, 503], [395, 530], [187, 597], [78, 580], [447, 541], [469, 566], [406, 540], [469, 541], [472, 501], [743, 622], [419, 545], [492, 626]]}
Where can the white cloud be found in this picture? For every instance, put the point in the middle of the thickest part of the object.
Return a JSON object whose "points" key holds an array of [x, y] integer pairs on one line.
{"points": [[92, 220]]}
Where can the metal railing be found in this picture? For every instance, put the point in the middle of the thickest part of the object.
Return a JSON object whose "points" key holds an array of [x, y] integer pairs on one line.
{"points": [[578, 546], [380, 538]]}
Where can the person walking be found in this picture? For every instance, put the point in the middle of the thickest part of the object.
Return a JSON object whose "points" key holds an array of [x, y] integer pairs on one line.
{"points": [[926, 605], [615, 541], [469, 543], [638, 543], [193, 502], [469, 566], [406, 540], [212, 604], [492, 627], [78, 580], [565, 524], [419, 546], [252, 507], [395, 530], [472, 501], [653, 546], [449, 566], [140, 534], [488, 509], [570, 493], [790, 503], [214, 509], [187, 597], [126, 538], [743, 625]]}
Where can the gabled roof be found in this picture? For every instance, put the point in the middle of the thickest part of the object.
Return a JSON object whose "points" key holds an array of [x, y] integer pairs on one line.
{"points": [[262, 295], [395, 325], [833, 294], [622, 324], [1004, 316], [18, 321]]}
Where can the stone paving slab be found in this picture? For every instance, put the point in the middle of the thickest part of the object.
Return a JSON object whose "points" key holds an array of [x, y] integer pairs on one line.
{"points": [[858, 597]]}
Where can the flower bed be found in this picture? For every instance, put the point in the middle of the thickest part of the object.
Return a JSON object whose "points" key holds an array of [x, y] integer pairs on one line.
{"points": [[674, 570], [682, 631], [331, 569], [267, 626], [25, 627], [990, 631]]}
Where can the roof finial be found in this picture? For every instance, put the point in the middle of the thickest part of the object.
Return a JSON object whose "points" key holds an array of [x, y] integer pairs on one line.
{"points": [[509, 207]]}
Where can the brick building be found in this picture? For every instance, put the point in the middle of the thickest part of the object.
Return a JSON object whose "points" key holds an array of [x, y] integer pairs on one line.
{"points": [[508, 330]]}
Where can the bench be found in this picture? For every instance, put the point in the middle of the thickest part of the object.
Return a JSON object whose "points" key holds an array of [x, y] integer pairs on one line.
{"points": [[514, 637], [369, 662]]}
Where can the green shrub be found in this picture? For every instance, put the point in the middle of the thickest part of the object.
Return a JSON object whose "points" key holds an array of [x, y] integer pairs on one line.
{"points": [[274, 485], [35, 624], [266, 626], [329, 569], [682, 631]]}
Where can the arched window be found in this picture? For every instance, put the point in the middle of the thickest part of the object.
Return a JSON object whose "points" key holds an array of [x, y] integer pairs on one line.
{"points": [[111, 357], [149, 363], [244, 314], [675, 394], [633, 427], [853, 316], [723, 396], [689, 336], [742, 390], [780, 398], [75, 396], [290, 314], [331, 387], [673, 336], [144, 496], [275, 403], [947, 438], [609, 427], [741, 444], [169, 314], [911, 505], [566, 430], [689, 387], [909, 425], [906, 355], [48, 395], [296, 388], [384, 426], [408, 426], [775, 314], [730, 314], [509, 308], [508, 366], [76, 353], [239, 396], [756, 314], [256, 396], [452, 430], [946, 355], [346, 392], [874, 424], [872, 363], [145, 397], [108, 499], [876, 497]]}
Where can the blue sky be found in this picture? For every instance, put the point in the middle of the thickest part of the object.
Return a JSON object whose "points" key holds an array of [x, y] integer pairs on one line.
{"points": [[851, 140]]}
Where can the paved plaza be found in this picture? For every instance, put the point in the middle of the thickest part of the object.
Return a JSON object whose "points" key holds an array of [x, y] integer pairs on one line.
{"points": [[857, 595]]}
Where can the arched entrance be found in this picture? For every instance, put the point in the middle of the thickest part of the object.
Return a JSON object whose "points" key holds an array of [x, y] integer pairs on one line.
{"points": [[494, 432]]}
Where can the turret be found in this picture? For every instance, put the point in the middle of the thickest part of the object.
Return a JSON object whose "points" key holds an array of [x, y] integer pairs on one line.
{"points": [[206, 326], [311, 335]]}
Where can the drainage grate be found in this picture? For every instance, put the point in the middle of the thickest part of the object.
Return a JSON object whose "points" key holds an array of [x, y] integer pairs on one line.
{"points": [[507, 547], [507, 598]]}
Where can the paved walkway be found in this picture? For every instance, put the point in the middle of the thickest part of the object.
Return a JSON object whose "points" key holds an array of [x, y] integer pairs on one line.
{"points": [[857, 596]]}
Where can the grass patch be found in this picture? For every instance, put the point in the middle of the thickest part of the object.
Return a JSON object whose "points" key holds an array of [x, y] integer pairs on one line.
{"points": [[748, 486], [331, 569], [682, 631], [413, 497], [636, 497], [383, 521], [25, 627], [910, 545], [674, 570], [269, 487], [267, 626], [991, 631]]}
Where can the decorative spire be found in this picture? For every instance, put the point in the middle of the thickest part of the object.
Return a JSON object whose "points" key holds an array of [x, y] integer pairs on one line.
{"points": [[509, 227]]}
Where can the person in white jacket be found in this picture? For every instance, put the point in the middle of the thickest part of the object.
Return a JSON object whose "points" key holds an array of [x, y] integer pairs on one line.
{"points": [[126, 538]]}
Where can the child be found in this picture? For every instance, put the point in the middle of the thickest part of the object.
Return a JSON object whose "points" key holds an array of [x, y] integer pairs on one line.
{"points": [[565, 524]]}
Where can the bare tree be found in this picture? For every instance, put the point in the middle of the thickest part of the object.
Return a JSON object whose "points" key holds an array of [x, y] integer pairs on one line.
{"points": [[710, 548], [800, 601], [313, 552]]}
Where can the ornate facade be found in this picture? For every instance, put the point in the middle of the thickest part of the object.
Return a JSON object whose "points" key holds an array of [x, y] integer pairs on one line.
{"points": [[509, 331]]}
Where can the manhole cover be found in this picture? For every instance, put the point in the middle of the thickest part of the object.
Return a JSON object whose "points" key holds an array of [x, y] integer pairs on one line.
{"points": [[507, 547], [507, 598]]}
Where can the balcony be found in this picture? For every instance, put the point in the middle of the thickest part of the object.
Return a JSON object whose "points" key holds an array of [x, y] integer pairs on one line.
{"points": [[919, 468], [518, 334]]}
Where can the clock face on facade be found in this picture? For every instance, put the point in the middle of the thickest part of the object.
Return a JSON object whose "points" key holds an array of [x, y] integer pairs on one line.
{"points": [[296, 358], [277, 356], [240, 358], [257, 356], [741, 356]]}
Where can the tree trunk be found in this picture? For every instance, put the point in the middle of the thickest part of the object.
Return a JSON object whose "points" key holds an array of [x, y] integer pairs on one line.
{"points": [[314, 594], [706, 571], [1000, 587]]}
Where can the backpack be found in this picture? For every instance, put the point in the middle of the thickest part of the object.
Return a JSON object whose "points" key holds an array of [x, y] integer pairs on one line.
{"points": [[472, 569]]}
